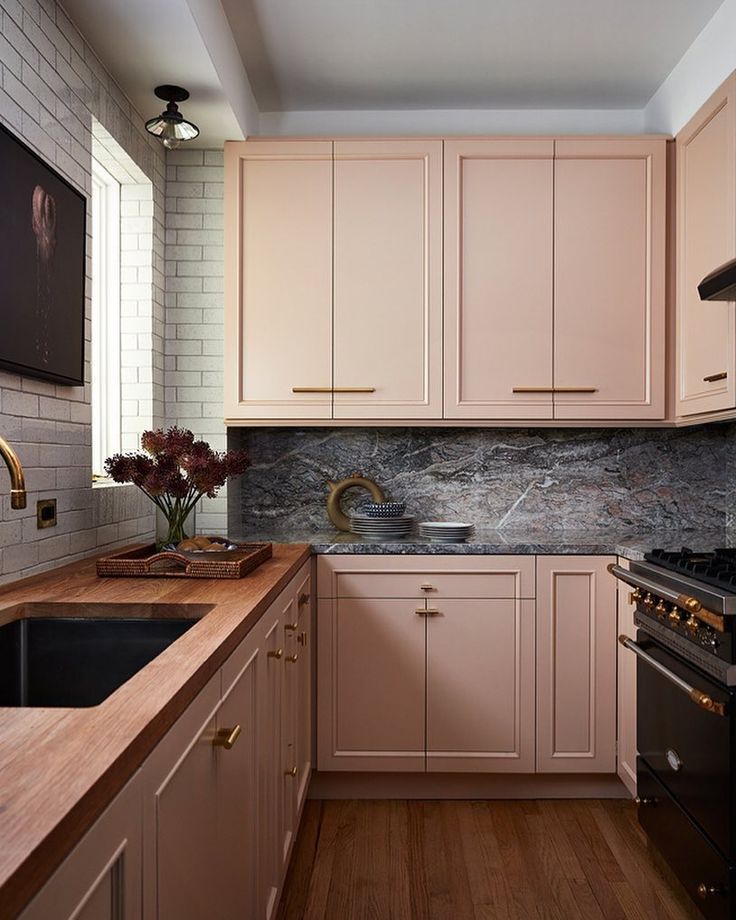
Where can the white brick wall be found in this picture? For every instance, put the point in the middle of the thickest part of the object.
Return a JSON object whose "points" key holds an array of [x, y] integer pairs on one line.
{"points": [[51, 86], [194, 306]]}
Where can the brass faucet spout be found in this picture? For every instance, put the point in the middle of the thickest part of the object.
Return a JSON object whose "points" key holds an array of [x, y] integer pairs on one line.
{"points": [[17, 479]]}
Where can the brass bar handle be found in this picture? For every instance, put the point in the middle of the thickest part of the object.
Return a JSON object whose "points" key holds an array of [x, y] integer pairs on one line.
{"points": [[292, 658], [333, 389], [302, 639], [554, 390], [427, 612], [226, 737], [426, 587], [278, 654], [711, 378], [705, 891], [292, 772], [704, 700]]}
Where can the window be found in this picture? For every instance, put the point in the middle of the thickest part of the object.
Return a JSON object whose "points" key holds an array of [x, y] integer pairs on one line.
{"points": [[106, 394]]}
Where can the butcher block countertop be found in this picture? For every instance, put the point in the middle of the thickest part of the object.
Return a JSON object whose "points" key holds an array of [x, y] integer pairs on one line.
{"points": [[60, 768]]}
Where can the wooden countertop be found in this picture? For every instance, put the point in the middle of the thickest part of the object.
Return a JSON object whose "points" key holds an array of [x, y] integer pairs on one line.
{"points": [[59, 768]]}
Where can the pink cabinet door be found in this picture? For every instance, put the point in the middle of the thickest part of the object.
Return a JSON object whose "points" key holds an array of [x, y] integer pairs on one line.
{"points": [[706, 238], [498, 278], [288, 771], [388, 279], [371, 685], [278, 271], [609, 288], [101, 878], [576, 665], [304, 643], [626, 720], [480, 686], [270, 775]]}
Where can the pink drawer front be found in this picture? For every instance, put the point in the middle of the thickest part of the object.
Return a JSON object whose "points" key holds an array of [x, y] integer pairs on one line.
{"points": [[426, 576]]}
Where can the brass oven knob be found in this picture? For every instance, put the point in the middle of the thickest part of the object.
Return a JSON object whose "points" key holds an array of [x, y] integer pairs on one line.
{"points": [[661, 609], [636, 595], [692, 623], [675, 614], [649, 601]]}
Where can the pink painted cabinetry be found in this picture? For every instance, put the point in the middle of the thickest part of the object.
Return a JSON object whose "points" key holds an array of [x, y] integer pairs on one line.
{"points": [[706, 238], [101, 878], [626, 726], [554, 278], [447, 664], [576, 665], [333, 254], [426, 663]]}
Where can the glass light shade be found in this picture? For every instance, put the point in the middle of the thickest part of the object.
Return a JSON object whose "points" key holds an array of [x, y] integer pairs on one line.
{"points": [[171, 129]]}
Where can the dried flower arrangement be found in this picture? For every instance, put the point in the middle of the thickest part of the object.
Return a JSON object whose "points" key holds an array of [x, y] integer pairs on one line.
{"points": [[175, 472]]}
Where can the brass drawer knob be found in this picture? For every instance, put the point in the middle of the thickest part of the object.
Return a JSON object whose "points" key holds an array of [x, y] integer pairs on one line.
{"points": [[291, 627], [292, 772], [278, 654], [292, 658], [226, 737]]}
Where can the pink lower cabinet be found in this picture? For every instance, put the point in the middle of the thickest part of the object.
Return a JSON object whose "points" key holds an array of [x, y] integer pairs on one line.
{"points": [[576, 665], [371, 684], [480, 686], [426, 664], [101, 878]]}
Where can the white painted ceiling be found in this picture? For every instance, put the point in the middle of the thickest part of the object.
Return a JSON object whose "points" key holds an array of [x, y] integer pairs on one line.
{"points": [[425, 54]]}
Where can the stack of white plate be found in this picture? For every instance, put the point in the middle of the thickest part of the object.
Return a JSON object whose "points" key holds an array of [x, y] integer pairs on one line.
{"points": [[446, 531], [373, 528]]}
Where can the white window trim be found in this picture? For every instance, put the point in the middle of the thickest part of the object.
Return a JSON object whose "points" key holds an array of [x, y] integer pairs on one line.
{"points": [[106, 389]]}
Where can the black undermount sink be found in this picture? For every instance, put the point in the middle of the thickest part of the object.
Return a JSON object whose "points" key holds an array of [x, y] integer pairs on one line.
{"points": [[78, 661]]}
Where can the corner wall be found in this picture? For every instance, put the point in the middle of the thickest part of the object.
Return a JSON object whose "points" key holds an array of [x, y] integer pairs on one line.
{"points": [[52, 86]]}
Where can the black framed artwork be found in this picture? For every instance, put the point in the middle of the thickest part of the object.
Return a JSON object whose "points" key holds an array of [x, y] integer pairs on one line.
{"points": [[42, 267]]}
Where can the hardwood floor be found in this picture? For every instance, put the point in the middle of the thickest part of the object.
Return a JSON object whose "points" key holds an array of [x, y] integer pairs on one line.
{"points": [[498, 860]]}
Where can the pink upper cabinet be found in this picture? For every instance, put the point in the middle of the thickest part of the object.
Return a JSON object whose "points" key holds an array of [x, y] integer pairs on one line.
{"points": [[388, 279], [498, 278], [706, 238], [278, 279], [609, 288]]}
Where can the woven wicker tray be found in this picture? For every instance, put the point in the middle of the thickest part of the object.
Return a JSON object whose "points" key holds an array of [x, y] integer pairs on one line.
{"points": [[144, 561]]}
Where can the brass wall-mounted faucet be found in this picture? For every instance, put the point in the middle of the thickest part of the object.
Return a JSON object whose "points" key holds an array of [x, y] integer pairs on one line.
{"points": [[17, 479]]}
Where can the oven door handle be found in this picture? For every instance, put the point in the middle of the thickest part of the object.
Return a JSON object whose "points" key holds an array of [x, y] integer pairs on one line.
{"points": [[691, 604], [704, 700]]}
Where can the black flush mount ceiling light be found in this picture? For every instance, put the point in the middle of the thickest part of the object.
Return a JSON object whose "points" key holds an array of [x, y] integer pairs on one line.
{"points": [[170, 127]]}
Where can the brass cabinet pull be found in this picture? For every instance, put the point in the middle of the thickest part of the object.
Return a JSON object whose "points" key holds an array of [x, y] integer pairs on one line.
{"points": [[292, 658], [291, 627], [303, 599], [713, 377], [292, 772], [554, 390], [302, 638], [427, 612], [704, 890], [226, 737], [426, 587], [278, 654], [333, 389]]}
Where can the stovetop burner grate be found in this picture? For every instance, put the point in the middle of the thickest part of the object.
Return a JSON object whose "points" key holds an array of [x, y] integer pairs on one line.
{"points": [[717, 568]]}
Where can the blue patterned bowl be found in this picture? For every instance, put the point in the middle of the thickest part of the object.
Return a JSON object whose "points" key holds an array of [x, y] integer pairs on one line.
{"points": [[384, 509]]}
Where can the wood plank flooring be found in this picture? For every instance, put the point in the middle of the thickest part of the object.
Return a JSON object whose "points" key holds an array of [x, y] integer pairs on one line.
{"points": [[458, 860]]}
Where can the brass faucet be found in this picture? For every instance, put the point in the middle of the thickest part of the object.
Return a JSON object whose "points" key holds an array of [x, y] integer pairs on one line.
{"points": [[17, 479]]}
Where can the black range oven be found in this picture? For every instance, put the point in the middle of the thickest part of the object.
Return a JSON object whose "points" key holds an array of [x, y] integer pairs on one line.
{"points": [[686, 717]]}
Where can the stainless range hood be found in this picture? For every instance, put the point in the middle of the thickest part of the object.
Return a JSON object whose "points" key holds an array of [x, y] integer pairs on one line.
{"points": [[719, 284]]}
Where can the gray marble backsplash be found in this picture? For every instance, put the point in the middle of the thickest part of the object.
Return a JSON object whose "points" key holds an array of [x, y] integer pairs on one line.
{"points": [[553, 479]]}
